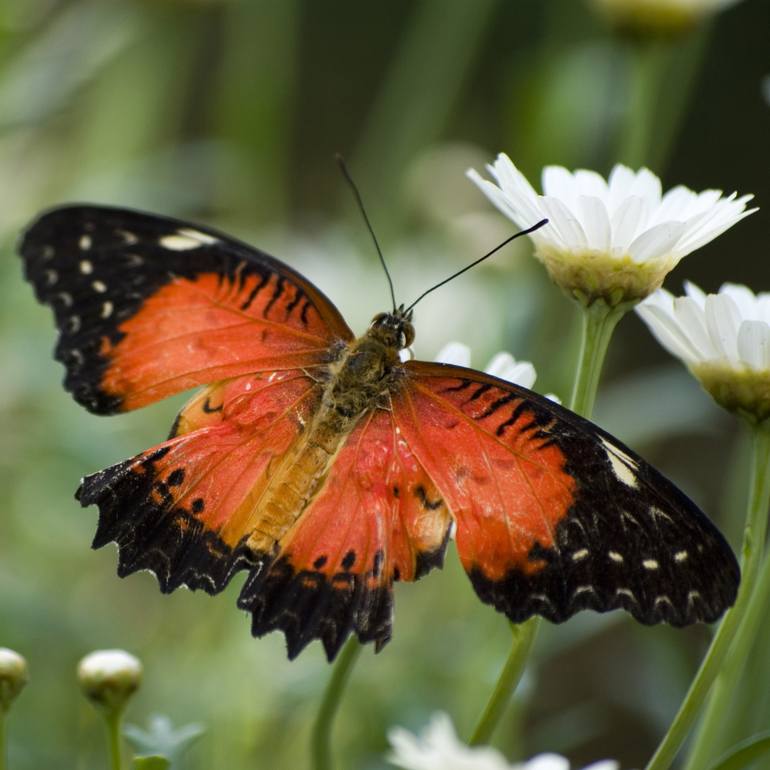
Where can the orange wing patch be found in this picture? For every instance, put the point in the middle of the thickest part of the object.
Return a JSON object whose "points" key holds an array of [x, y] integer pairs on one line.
{"points": [[195, 331], [502, 477], [377, 519], [178, 509]]}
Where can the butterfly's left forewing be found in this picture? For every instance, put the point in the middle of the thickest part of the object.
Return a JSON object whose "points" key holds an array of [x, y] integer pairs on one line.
{"points": [[148, 306], [553, 514]]}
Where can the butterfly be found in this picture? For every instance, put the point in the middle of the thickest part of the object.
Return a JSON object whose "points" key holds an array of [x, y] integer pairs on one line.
{"points": [[325, 466]]}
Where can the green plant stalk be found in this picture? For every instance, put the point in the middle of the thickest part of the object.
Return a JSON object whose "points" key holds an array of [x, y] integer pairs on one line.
{"points": [[647, 65], [599, 321], [707, 740], [113, 720], [706, 743], [2, 740], [523, 638], [321, 736], [746, 606]]}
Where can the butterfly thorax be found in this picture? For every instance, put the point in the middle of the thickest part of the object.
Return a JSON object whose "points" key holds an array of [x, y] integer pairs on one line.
{"points": [[368, 370]]}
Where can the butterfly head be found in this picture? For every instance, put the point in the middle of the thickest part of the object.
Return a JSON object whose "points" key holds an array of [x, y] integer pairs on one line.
{"points": [[393, 329]]}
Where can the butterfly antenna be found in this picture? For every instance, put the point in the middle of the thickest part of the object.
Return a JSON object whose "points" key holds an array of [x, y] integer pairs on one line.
{"points": [[359, 200], [497, 248]]}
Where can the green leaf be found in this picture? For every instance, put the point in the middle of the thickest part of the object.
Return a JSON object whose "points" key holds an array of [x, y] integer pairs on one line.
{"points": [[161, 738], [744, 753], [155, 762]]}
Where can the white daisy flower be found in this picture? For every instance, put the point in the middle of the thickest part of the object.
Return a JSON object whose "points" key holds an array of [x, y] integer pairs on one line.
{"points": [[502, 365], [658, 16], [613, 240], [724, 339], [438, 748]]}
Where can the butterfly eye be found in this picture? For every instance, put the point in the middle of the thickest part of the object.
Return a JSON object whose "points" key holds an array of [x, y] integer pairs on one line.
{"points": [[407, 335]]}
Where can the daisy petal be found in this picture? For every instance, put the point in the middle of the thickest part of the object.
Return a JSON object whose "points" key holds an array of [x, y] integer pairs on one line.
{"points": [[754, 344], [454, 353], [656, 242]]}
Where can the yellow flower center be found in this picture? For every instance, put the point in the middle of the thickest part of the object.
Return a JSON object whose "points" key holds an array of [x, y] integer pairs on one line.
{"points": [[591, 275], [738, 389]]}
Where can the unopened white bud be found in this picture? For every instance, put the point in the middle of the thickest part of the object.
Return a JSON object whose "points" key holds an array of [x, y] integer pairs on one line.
{"points": [[14, 674], [109, 677]]}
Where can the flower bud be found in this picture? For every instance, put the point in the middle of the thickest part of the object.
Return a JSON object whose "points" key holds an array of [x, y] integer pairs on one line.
{"points": [[14, 674], [109, 678]]}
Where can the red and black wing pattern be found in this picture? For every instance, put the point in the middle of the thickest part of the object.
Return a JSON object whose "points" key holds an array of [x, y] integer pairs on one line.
{"points": [[185, 509], [148, 306], [377, 519], [553, 514]]}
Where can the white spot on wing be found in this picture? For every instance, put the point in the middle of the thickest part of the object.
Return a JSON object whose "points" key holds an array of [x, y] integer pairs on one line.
{"points": [[680, 556], [126, 236], [583, 590], [616, 557], [625, 592], [99, 286], [580, 555], [85, 242], [622, 465], [51, 277], [86, 267], [650, 564], [107, 309], [185, 239], [541, 598]]}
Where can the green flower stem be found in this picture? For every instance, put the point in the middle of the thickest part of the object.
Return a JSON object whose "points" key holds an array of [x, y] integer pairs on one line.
{"points": [[746, 606], [599, 321], [113, 720], [523, 638], [707, 744], [2, 740], [320, 739], [647, 69]]}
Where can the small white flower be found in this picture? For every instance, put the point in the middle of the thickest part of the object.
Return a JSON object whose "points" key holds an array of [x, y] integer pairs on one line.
{"points": [[502, 365], [724, 339], [658, 16], [14, 674], [616, 239], [109, 677], [438, 748]]}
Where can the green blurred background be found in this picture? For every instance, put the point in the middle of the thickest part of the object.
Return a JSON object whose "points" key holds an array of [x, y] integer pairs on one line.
{"points": [[229, 113]]}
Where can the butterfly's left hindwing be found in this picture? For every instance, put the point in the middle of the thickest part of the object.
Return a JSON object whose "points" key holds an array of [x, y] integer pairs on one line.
{"points": [[186, 508], [553, 514], [149, 306]]}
